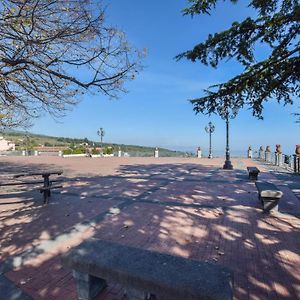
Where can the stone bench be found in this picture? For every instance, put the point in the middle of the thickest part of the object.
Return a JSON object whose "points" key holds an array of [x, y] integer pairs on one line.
{"points": [[45, 190], [269, 195], [22, 179], [145, 274], [253, 172]]}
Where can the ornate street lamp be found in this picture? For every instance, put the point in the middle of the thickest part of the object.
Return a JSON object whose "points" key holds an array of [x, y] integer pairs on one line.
{"points": [[27, 141], [210, 129], [225, 115], [101, 133]]}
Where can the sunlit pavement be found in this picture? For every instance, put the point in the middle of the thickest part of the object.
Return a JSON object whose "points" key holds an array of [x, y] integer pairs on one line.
{"points": [[182, 206]]}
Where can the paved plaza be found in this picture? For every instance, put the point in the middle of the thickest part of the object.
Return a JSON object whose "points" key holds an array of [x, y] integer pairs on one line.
{"points": [[182, 206]]}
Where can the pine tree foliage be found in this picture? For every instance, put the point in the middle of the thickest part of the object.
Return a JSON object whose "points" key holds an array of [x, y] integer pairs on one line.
{"points": [[276, 77]]}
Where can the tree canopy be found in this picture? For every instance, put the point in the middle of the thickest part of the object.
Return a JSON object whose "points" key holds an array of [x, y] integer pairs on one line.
{"points": [[54, 51], [275, 77]]}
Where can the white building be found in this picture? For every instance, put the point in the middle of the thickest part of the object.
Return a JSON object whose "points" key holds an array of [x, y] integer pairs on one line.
{"points": [[6, 145]]}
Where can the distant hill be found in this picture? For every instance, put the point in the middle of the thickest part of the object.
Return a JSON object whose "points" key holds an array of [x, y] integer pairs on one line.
{"points": [[30, 140]]}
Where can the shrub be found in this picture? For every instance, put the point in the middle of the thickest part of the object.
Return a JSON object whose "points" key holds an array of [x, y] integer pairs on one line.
{"points": [[74, 151], [108, 150], [79, 151], [95, 151], [67, 151]]}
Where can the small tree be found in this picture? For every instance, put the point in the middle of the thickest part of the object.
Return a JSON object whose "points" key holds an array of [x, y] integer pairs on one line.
{"points": [[86, 141], [275, 77], [52, 52]]}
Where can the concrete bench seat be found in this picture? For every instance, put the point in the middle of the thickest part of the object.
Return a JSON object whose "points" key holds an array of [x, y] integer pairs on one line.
{"points": [[253, 172], [145, 274], [269, 195]]}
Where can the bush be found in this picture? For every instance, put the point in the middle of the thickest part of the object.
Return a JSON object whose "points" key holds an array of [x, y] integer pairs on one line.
{"points": [[67, 151], [74, 151], [108, 150], [95, 151], [79, 151]]}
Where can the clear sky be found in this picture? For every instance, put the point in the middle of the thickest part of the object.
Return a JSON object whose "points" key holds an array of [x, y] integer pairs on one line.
{"points": [[155, 111]]}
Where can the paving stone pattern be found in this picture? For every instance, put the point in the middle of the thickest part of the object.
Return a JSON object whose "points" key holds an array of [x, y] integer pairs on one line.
{"points": [[185, 207]]}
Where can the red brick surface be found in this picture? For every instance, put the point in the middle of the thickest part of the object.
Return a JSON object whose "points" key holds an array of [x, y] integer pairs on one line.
{"points": [[185, 207]]}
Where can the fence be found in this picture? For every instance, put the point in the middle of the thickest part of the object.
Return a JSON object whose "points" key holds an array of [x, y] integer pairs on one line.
{"points": [[290, 162], [11, 153]]}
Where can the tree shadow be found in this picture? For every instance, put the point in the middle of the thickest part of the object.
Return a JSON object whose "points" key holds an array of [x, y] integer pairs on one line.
{"points": [[190, 210]]}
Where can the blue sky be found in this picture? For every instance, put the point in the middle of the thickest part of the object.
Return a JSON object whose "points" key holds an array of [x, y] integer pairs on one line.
{"points": [[155, 111]]}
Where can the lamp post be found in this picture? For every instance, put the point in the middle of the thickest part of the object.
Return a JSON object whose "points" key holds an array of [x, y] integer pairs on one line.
{"points": [[225, 115], [101, 133], [27, 143], [210, 129]]}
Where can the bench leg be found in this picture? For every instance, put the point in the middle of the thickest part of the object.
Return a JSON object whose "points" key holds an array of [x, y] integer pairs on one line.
{"points": [[270, 204], [253, 176], [88, 286], [45, 194], [49, 191], [134, 294]]}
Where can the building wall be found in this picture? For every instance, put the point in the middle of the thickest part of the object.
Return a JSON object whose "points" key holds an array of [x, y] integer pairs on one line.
{"points": [[6, 145]]}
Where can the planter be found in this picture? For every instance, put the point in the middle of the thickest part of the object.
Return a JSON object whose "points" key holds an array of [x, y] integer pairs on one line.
{"points": [[297, 151], [74, 155], [268, 156], [261, 152]]}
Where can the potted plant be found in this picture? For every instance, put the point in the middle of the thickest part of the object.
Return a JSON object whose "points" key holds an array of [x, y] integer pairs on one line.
{"points": [[268, 154], [278, 148]]}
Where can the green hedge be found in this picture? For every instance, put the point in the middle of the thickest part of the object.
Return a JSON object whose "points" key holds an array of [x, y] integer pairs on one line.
{"points": [[74, 151], [67, 151], [108, 150]]}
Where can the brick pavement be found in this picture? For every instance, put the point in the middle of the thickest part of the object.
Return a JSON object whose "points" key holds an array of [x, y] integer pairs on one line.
{"points": [[185, 207]]}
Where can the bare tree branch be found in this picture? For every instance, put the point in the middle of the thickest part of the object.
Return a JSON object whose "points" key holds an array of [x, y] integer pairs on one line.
{"points": [[53, 52]]}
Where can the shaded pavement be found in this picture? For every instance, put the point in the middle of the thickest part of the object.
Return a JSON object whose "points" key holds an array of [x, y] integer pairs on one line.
{"points": [[186, 207]]}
